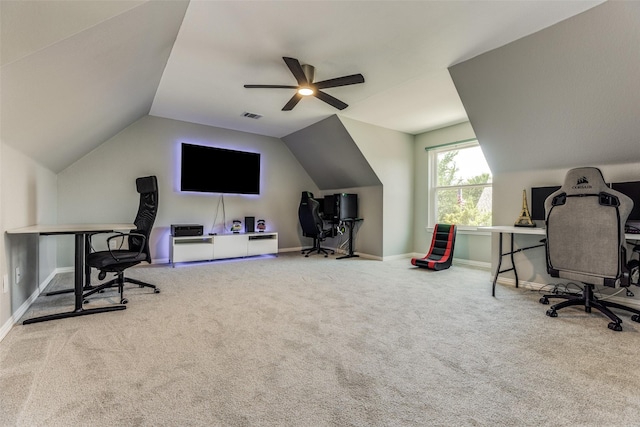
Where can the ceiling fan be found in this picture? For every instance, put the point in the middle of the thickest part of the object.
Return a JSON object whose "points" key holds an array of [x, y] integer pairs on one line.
{"points": [[306, 85]]}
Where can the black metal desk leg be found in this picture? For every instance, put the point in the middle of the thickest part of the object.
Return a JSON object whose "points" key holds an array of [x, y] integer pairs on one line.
{"points": [[87, 271], [495, 276], [350, 224], [515, 271], [78, 290]]}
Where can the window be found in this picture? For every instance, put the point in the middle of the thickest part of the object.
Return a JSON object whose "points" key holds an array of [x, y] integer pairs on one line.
{"points": [[459, 185]]}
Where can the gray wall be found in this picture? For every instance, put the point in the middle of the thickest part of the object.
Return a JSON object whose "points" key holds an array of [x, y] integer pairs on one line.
{"points": [[100, 187], [390, 155], [28, 195]]}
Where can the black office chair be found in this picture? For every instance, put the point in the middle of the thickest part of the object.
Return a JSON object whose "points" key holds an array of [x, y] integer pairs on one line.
{"points": [[118, 260], [585, 242], [313, 225]]}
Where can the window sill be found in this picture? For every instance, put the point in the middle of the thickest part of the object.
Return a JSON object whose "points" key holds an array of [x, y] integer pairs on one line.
{"points": [[470, 230]]}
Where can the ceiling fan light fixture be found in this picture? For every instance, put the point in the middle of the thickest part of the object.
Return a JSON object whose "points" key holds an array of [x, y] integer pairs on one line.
{"points": [[307, 86]]}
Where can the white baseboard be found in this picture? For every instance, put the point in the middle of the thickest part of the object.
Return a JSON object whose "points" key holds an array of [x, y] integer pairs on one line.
{"points": [[474, 264], [6, 327]]}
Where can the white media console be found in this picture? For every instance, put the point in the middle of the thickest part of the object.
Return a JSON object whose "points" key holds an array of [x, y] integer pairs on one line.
{"points": [[222, 246]]}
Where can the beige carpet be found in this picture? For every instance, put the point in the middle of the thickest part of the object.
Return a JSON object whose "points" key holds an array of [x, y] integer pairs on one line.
{"points": [[294, 341]]}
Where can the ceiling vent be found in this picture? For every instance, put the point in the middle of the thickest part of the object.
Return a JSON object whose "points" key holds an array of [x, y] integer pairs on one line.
{"points": [[251, 115]]}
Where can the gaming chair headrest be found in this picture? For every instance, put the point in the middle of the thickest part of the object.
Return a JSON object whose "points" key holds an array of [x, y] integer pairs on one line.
{"points": [[586, 180], [306, 195], [147, 184]]}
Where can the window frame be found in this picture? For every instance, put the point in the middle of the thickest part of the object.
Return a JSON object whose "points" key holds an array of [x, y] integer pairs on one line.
{"points": [[432, 180]]}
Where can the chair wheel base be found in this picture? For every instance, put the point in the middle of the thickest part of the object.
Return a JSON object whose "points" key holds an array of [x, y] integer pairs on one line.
{"points": [[615, 326], [124, 301], [156, 291], [544, 300], [635, 318], [552, 313]]}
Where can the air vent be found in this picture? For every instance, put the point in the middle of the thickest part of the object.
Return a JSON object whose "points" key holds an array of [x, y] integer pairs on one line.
{"points": [[252, 115]]}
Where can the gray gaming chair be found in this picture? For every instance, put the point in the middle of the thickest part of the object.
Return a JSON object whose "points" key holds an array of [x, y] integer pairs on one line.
{"points": [[585, 241]]}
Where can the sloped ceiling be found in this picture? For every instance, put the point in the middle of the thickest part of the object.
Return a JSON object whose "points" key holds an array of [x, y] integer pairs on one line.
{"points": [[89, 70], [75, 73], [330, 156], [566, 96], [402, 48]]}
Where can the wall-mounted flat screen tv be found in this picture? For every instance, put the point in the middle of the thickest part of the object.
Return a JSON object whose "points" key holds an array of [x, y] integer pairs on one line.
{"points": [[219, 170]]}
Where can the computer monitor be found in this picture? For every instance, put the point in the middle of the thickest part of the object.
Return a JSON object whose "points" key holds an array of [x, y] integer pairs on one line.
{"points": [[631, 189], [538, 196], [329, 207]]}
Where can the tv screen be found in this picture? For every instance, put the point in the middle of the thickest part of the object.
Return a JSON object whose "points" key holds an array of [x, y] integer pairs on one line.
{"points": [[631, 189], [538, 196], [218, 170]]}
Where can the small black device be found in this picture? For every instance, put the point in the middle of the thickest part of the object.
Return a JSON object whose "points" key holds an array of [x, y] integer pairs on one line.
{"points": [[181, 230], [249, 224]]}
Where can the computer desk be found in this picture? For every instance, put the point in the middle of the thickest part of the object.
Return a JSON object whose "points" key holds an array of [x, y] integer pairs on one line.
{"points": [[512, 230], [80, 231]]}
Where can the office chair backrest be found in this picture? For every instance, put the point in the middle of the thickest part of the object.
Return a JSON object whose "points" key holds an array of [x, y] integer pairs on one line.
{"points": [[147, 210], [309, 215], [585, 229]]}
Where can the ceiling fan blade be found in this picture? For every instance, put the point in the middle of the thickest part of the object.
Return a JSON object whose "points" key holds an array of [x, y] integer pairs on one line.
{"points": [[270, 87], [296, 70], [340, 81], [292, 102], [334, 102]]}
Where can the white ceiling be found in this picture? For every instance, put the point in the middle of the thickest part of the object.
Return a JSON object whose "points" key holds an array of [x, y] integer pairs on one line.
{"points": [[403, 49], [82, 71]]}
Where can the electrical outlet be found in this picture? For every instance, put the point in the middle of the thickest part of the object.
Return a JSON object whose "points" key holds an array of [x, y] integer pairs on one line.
{"points": [[18, 275], [5, 283]]}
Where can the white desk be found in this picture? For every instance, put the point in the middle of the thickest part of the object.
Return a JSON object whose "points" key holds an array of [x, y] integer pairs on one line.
{"points": [[512, 230], [81, 231]]}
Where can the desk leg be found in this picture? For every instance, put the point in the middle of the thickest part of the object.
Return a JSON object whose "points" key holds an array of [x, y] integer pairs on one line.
{"points": [[495, 276], [87, 274], [350, 254], [513, 265], [78, 290], [511, 252]]}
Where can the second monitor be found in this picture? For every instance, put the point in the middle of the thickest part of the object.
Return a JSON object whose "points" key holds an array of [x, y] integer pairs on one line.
{"points": [[340, 206]]}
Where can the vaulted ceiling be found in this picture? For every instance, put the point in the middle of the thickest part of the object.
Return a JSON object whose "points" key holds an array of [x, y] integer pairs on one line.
{"points": [[75, 73]]}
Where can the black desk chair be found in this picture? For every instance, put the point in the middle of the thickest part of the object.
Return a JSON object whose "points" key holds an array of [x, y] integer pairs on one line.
{"points": [[313, 225], [137, 251], [585, 241]]}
